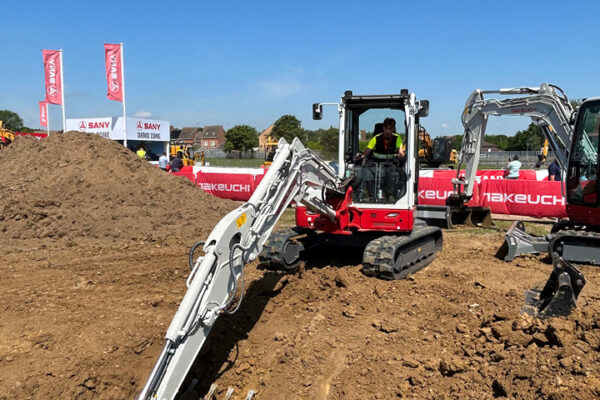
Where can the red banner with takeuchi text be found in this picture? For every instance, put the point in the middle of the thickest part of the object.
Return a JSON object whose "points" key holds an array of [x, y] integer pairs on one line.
{"points": [[52, 76], [43, 115], [504, 196], [114, 76]]}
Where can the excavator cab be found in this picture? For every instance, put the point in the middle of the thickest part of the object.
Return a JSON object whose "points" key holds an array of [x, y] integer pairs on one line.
{"points": [[378, 180], [582, 172]]}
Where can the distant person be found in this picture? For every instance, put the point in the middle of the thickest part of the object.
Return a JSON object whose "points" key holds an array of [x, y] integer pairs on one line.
{"points": [[163, 161], [554, 172], [141, 152], [177, 163], [513, 168]]}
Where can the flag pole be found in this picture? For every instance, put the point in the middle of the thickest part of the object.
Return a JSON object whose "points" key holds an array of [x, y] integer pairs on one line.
{"points": [[47, 119], [62, 90], [123, 83]]}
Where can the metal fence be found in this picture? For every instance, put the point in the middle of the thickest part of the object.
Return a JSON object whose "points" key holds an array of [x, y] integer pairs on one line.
{"points": [[489, 159], [499, 159], [252, 154]]}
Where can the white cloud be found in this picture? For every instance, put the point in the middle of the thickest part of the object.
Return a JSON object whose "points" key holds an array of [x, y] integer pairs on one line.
{"points": [[444, 125], [143, 114]]}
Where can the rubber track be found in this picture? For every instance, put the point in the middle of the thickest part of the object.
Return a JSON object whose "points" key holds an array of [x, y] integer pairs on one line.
{"points": [[379, 257], [592, 239], [271, 255]]}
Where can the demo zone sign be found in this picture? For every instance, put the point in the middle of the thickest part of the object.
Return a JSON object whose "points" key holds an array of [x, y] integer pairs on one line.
{"points": [[148, 130], [99, 126]]}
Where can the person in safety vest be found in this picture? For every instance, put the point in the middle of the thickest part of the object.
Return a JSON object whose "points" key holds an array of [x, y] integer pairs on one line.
{"points": [[384, 151], [141, 152], [386, 145]]}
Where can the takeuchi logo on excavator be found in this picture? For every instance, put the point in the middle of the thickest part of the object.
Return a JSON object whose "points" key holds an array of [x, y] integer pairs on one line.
{"points": [[523, 110]]}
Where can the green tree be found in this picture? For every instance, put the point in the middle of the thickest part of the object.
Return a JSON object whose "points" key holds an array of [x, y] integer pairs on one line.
{"points": [[499, 140], [528, 139], [575, 102], [312, 136], [457, 142], [288, 127], [11, 120], [329, 139], [241, 138]]}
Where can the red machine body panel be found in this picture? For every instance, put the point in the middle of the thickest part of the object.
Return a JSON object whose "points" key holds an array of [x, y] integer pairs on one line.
{"points": [[358, 219], [585, 215]]}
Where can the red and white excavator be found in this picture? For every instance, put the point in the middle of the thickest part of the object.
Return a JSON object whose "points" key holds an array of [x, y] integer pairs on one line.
{"points": [[372, 205], [573, 137]]}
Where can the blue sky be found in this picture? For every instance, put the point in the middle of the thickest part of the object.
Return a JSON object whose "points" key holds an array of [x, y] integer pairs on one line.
{"points": [[249, 62]]}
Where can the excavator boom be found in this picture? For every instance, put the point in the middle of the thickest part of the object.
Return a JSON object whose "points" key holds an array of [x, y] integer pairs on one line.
{"points": [[544, 105], [218, 277], [570, 242]]}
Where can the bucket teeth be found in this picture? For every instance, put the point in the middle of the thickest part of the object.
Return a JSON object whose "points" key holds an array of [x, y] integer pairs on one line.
{"points": [[211, 392], [211, 395]]}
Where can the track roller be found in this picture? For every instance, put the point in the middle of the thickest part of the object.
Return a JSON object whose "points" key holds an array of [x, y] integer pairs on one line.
{"points": [[396, 257]]}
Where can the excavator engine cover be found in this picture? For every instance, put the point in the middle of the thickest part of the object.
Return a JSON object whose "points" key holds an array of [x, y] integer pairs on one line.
{"points": [[559, 295]]}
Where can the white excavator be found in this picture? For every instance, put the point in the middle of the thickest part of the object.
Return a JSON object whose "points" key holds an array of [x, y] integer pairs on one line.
{"points": [[383, 219], [573, 137]]}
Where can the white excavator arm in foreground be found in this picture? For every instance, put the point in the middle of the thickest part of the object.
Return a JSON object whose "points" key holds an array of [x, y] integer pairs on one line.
{"points": [[297, 174]]}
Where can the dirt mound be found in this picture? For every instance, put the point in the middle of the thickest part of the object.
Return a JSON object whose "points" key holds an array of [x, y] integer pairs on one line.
{"points": [[80, 185], [88, 322], [450, 331]]}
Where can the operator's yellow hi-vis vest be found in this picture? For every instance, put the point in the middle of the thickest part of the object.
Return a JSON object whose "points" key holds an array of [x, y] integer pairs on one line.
{"points": [[384, 149]]}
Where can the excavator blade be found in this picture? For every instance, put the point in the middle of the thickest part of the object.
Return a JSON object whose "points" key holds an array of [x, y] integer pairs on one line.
{"points": [[435, 216], [559, 295], [518, 242]]}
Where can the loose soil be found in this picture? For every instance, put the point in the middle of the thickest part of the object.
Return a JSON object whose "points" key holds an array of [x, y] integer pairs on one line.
{"points": [[94, 244]]}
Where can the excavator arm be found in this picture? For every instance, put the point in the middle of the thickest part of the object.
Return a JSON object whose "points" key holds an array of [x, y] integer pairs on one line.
{"points": [[552, 111], [216, 283], [544, 105]]}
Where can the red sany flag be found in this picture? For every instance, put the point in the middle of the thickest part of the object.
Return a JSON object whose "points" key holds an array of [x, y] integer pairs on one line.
{"points": [[43, 116], [52, 76], [114, 78]]}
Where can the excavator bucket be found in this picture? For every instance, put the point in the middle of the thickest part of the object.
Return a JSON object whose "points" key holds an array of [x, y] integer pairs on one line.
{"points": [[518, 242], [471, 216], [461, 214], [448, 217], [559, 295]]}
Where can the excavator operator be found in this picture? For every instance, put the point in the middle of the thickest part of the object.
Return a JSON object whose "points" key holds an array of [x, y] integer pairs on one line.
{"points": [[385, 147]]}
